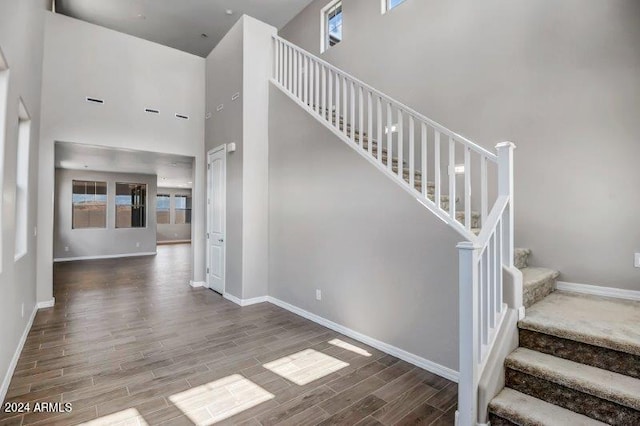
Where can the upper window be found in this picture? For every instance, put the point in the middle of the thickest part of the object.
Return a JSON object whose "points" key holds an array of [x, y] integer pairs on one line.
{"points": [[387, 5], [331, 24], [89, 202], [163, 209], [131, 201], [183, 209], [22, 180]]}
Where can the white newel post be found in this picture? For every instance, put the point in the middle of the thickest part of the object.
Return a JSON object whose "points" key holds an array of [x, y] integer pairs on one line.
{"points": [[469, 318], [505, 188]]}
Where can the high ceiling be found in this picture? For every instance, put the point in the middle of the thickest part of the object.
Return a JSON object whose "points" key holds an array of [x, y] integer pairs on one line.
{"points": [[173, 171], [179, 23]]}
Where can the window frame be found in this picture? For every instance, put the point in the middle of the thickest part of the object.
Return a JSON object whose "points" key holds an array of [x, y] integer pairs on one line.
{"points": [[106, 205], [145, 205], [158, 209], [386, 5], [23, 149], [4, 108], [176, 209], [325, 44]]}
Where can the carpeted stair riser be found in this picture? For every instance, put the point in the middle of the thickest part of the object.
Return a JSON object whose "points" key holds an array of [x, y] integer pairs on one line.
{"points": [[534, 294], [595, 356], [521, 258], [499, 421], [571, 399]]}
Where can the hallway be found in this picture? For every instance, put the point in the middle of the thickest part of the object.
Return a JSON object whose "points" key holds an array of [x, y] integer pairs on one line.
{"points": [[128, 341]]}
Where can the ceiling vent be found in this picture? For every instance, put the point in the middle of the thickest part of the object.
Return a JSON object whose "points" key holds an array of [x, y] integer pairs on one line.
{"points": [[152, 111], [183, 117], [95, 100]]}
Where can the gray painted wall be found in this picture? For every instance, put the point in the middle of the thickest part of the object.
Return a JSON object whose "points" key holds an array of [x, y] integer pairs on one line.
{"points": [[107, 241], [385, 265], [223, 79], [21, 43], [560, 79], [168, 232], [134, 75]]}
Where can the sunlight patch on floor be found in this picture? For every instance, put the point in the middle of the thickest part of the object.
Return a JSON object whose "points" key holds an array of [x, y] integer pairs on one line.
{"points": [[129, 417], [220, 399], [348, 346], [306, 366]]}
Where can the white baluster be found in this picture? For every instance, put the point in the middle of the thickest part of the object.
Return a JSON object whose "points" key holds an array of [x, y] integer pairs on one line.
{"points": [[323, 89], [305, 92], [436, 163], [317, 88], [412, 166], [369, 123], [484, 191], [360, 117], [352, 115], [452, 177], [345, 106], [389, 138], [423, 128], [379, 126], [330, 97], [400, 144], [505, 188], [467, 188], [337, 83]]}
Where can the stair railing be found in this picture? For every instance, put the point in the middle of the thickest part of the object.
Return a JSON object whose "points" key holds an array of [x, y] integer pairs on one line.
{"points": [[437, 166]]}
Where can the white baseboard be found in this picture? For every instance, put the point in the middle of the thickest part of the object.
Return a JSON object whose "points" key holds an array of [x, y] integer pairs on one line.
{"points": [[106, 256], [46, 303], [196, 284], [416, 360], [169, 242], [595, 290], [245, 302], [16, 356]]}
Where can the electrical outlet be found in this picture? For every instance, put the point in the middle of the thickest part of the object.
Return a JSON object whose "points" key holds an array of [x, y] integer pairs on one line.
{"points": [[66, 248], [637, 260], [318, 294]]}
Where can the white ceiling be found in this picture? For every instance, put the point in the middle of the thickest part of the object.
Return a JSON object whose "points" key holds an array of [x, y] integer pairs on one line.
{"points": [[179, 23], [173, 171]]}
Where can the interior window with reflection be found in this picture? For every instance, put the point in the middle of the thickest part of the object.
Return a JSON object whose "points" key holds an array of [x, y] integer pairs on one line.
{"points": [[393, 3], [89, 201], [333, 25], [183, 209], [131, 201], [163, 209]]}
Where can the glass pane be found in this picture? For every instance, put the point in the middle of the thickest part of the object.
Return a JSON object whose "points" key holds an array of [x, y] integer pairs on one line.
{"points": [[131, 199], [394, 3], [163, 209], [183, 209], [89, 204], [334, 24]]}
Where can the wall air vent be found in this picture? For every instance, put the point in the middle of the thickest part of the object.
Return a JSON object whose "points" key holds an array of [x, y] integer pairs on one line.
{"points": [[152, 111], [184, 117], [95, 100]]}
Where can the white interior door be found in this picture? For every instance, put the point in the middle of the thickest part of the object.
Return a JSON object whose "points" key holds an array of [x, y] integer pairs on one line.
{"points": [[216, 218]]}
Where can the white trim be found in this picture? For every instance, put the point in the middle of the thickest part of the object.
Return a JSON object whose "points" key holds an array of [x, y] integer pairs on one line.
{"points": [[169, 242], [210, 153], [46, 303], [106, 256], [197, 284], [416, 360], [245, 302], [16, 356], [595, 290]]}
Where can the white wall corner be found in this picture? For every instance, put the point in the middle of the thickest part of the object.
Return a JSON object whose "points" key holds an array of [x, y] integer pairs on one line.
{"points": [[245, 302], [16, 356]]}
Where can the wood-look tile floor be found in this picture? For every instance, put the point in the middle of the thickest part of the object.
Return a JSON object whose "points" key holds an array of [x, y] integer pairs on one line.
{"points": [[129, 342]]}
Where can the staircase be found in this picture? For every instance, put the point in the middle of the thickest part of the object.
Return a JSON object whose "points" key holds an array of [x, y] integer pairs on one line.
{"points": [[578, 362]]}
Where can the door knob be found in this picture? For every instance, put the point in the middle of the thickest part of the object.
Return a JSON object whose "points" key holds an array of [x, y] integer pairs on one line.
{"points": [[221, 240]]}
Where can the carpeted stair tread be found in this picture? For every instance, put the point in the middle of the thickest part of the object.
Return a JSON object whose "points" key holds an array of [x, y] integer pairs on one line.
{"points": [[604, 384], [538, 283], [521, 258], [598, 321], [525, 410]]}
